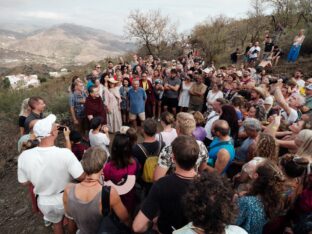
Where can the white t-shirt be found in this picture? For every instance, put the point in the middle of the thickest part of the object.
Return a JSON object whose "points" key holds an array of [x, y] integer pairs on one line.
{"points": [[254, 51], [49, 169], [211, 97], [213, 116], [290, 118], [300, 83], [167, 137], [99, 139]]}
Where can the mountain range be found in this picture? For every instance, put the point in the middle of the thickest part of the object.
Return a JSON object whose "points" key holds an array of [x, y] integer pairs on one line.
{"points": [[60, 45]]}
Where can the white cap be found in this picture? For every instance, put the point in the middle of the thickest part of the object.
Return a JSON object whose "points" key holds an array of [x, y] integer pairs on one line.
{"points": [[43, 127], [207, 70]]}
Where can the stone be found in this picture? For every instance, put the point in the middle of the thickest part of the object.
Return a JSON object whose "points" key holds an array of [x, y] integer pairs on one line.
{"points": [[21, 211]]}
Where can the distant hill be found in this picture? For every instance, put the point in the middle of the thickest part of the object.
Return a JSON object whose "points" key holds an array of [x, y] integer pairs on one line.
{"points": [[65, 44]]}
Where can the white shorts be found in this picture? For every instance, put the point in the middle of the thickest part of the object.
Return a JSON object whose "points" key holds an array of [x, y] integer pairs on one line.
{"points": [[52, 207], [134, 116]]}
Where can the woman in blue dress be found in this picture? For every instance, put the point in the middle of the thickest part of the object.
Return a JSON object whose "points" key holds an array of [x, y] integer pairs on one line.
{"points": [[296, 46]]}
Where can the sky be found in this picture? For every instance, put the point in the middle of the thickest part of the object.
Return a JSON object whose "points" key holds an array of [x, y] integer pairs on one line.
{"points": [[111, 15]]}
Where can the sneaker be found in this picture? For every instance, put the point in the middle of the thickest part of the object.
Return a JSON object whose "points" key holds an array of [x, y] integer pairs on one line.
{"points": [[158, 119], [47, 223]]}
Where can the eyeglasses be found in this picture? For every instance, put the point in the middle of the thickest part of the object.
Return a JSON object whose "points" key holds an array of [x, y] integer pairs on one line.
{"points": [[98, 67]]}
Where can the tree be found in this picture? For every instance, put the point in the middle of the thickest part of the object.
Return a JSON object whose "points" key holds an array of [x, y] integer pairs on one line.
{"points": [[211, 37], [151, 30]]}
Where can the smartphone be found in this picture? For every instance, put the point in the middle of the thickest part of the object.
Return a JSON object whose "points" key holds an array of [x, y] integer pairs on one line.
{"points": [[61, 128]]}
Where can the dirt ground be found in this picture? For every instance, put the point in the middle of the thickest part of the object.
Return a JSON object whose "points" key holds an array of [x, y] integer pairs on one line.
{"points": [[15, 204]]}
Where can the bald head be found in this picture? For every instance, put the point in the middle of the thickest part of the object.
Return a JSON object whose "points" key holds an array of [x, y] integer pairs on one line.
{"points": [[221, 127]]}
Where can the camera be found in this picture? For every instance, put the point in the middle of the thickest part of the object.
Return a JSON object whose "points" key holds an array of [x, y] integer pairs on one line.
{"points": [[61, 128]]}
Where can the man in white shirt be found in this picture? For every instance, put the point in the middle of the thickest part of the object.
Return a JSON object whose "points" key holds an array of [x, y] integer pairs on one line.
{"points": [[298, 78], [290, 108], [49, 169], [213, 116], [254, 52]]}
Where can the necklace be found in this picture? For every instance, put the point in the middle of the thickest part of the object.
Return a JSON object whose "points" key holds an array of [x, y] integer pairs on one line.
{"points": [[185, 177], [89, 182]]}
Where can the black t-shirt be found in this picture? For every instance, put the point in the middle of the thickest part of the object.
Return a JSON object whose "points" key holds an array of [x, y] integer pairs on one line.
{"points": [[165, 201], [268, 46], [32, 116], [234, 57], [21, 121], [152, 148]]}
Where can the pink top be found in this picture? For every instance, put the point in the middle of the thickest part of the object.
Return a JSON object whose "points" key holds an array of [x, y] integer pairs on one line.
{"points": [[111, 172]]}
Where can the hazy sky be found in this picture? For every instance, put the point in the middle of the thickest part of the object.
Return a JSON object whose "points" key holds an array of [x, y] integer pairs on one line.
{"points": [[111, 15]]}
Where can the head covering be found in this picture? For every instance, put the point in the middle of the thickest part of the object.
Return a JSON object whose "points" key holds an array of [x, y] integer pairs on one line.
{"points": [[43, 127], [252, 124], [251, 167], [124, 129], [207, 70], [269, 100], [124, 186], [260, 91], [309, 87], [112, 80]]}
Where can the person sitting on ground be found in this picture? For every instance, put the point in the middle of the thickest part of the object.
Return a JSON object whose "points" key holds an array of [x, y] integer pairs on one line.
{"points": [[165, 197], [83, 202], [49, 169], [98, 134], [208, 204], [76, 146], [25, 111], [122, 167], [185, 125], [221, 149], [37, 106], [169, 133]]}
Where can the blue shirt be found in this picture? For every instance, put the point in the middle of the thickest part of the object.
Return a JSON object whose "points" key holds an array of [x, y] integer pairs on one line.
{"points": [[213, 152], [251, 215], [75, 101], [137, 100]]}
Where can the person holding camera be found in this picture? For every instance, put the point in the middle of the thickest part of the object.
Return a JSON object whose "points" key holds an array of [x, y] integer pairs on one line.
{"points": [[150, 100], [98, 134], [49, 168]]}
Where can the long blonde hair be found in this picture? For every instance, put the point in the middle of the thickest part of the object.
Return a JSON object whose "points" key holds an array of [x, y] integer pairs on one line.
{"points": [[25, 108], [305, 137]]}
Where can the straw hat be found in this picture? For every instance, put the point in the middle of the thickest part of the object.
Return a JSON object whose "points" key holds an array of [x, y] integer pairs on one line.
{"points": [[112, 80], [260, 91]]}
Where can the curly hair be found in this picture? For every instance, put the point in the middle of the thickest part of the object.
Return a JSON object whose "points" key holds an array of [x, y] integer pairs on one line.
{"points": [[209, 203], [269, 186], [267, 147]]}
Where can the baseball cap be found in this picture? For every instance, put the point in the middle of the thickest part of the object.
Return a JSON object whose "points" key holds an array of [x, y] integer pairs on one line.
{"points": [[309, 87], [43, 127], [124, 186]]}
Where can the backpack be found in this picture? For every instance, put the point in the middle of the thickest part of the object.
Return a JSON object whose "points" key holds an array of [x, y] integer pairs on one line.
{"points": [[150, 162]]}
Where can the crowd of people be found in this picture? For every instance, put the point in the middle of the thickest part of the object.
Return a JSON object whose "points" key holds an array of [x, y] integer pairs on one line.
{"points": [[173, 147]]}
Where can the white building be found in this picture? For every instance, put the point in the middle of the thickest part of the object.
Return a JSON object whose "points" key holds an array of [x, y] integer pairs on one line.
{"points": [[22, 81]]}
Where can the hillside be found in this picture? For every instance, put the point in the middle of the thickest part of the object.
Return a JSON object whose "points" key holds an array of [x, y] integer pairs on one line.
{"points": [[60, 45]]}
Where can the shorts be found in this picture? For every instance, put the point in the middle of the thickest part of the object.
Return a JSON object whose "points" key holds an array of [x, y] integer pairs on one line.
{"points": [[134, 116], [52, 207], [171, 102]]}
